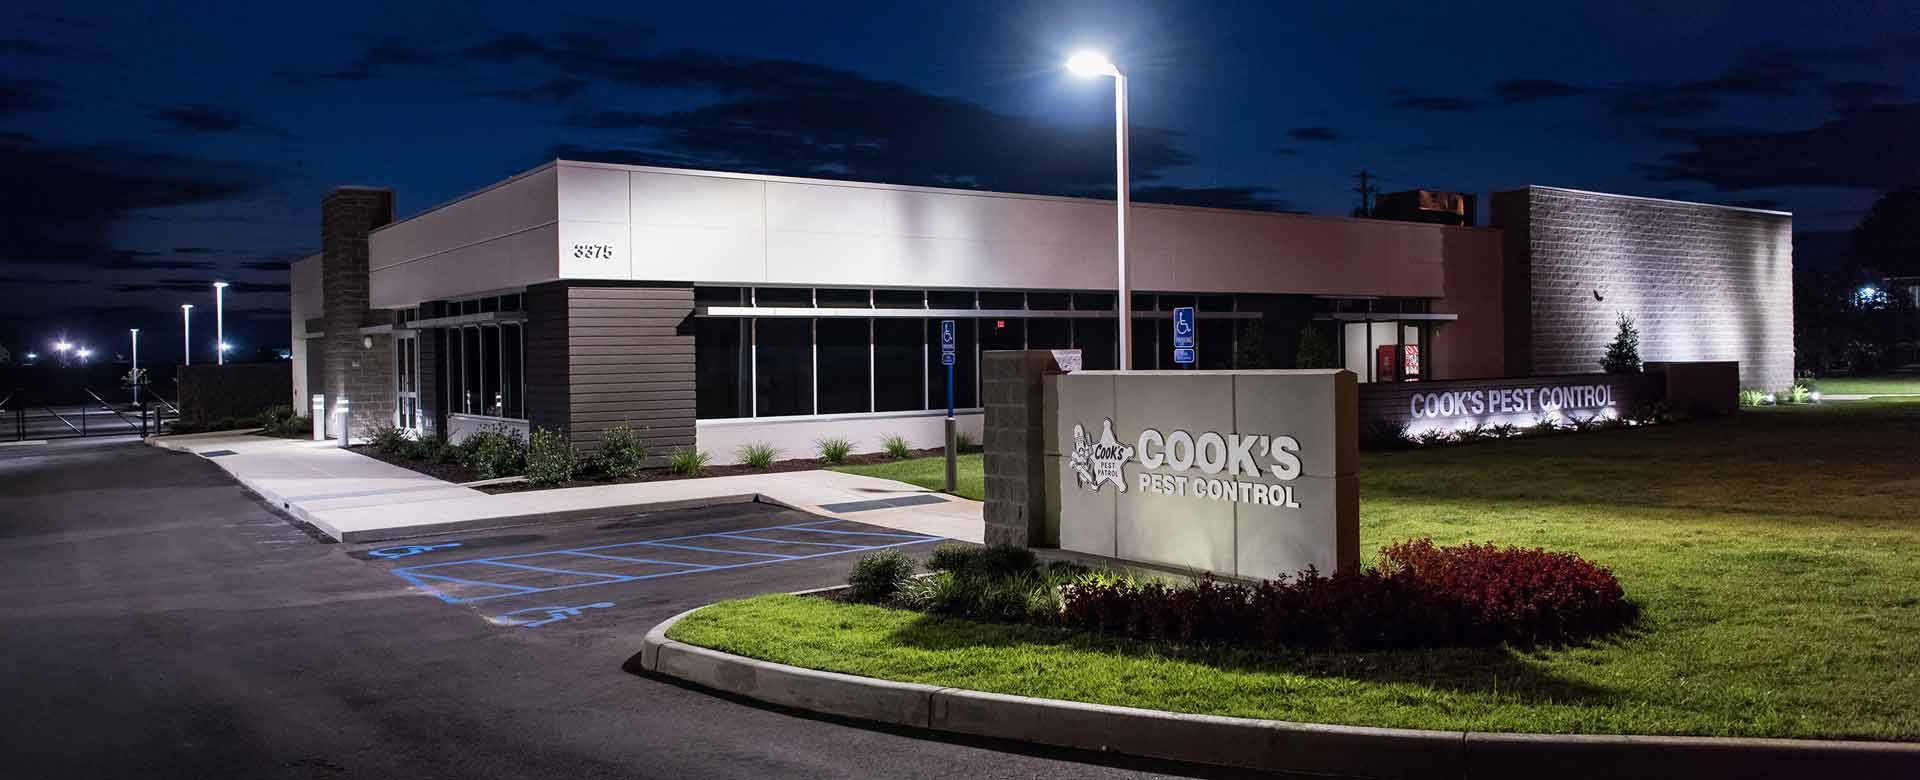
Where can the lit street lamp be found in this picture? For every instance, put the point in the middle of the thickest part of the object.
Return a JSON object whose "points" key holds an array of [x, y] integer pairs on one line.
{"points": [[84, 353], [220, 322], [186, 332], [1089, 63], [136, 347]]}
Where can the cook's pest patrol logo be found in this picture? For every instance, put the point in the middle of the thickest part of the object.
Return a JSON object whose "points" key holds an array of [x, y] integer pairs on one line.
{"points": [[1098, 461]]}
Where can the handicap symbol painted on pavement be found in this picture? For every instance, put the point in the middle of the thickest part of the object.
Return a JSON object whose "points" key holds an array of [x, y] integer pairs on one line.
{"points": [[405, 550], [553, 614]]}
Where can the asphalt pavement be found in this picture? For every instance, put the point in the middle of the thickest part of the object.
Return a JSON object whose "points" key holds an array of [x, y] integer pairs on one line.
{"points": [[158, 621]]}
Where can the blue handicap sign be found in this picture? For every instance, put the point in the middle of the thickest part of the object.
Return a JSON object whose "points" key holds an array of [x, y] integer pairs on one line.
{"points": [[1184, 337], [946, 342]]}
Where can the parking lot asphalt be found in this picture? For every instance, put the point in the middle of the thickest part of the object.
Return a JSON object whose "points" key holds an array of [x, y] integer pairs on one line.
{"points": [[158, 621]]}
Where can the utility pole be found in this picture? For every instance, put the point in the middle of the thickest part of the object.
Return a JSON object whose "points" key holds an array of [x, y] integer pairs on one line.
{"points": [[1367, 189]]}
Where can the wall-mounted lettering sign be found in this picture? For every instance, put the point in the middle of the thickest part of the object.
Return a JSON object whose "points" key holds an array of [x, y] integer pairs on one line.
{"points": [[1248, 474], [593, 251]]}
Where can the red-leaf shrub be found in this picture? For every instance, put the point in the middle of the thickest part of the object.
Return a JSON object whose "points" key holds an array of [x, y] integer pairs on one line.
{"points": [[1515, 595], [1421, 596]]}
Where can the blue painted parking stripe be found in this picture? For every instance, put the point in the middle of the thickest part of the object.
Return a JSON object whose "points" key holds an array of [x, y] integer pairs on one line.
{"points": [[546, 569], [713, 550], [633, 560], [852, 533], [744, 537], [415, 576]]}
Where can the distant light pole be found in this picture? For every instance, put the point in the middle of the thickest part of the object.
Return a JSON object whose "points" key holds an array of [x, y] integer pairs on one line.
{"points": [[220, 322], [84, 353], [186, 331], [136, 347], [133, 376], [62, 347], [1089, 63]]}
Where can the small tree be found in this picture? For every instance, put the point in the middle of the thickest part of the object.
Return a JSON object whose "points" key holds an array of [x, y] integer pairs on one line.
{"points": [[1251, 350], [1314, 350], [1623, 355]]}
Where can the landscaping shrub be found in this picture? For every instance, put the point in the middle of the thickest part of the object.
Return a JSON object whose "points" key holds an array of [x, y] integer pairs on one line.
{"points": [[494, 452], [1432, 436], [1544, 426], [551, 458], [1382, 434], [1797, 394], [389, 440], [622, 454], [281, 421], [834, 450], [878, 577], [1753, 397], [1513, 594], [963, 442], [896, 447], [1420, 596], [1002, 560], [757, 454], [688, 461]]}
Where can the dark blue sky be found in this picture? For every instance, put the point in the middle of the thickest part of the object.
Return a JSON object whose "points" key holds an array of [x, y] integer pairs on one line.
{"points": [[150, 150]]}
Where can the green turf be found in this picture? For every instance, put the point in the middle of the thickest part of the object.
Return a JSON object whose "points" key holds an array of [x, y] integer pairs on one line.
{"points": [[1871, 385], [1776, 556], [930, 473]]}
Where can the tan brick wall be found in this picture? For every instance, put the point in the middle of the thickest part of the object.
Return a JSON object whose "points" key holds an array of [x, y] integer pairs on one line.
{"points": [[1702, 282]]}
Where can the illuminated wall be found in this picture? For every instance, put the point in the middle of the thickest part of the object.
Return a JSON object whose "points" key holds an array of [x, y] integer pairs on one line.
{"points": [[1702, 282]]}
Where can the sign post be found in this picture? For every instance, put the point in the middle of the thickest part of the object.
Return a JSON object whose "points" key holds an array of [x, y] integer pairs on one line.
{"points": [[946, 359], [1184, 340]]}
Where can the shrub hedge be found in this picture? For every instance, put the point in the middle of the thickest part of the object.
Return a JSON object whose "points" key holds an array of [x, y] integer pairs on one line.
{"points": [[1420, 596]]}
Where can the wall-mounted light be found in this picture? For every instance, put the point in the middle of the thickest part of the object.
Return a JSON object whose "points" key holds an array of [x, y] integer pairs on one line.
{"points": [[366, 342]]}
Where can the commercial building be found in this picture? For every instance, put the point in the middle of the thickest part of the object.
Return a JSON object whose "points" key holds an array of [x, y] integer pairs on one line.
{"points": [[709, 309]]}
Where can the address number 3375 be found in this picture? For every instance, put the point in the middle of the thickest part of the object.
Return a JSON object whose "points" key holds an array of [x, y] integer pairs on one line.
{"points": [[593, 251]]}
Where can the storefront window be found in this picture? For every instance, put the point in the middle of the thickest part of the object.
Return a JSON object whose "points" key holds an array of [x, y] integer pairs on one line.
{"points": [[512, 372], [783, 368], [964, 366], [899, 365], [722, 375], [844, 365]]}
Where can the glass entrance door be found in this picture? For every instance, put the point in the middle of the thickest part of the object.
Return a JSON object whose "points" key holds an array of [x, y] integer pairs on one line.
{"points": [[406, 380]]}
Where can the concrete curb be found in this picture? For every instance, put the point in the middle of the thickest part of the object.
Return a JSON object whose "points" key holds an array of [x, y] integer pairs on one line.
{"points": [[1264, 744]]}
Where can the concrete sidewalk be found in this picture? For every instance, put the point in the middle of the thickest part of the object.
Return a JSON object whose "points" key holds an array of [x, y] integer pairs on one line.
{"points": [[354, 498]]}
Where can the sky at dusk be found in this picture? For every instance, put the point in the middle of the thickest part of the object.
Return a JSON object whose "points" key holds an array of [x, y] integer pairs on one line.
{"points": [[151, 148]]}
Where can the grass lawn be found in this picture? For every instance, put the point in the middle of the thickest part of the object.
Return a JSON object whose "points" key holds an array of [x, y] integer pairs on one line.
{"points": [[1871, 385], [931, 473], [1776, 556]]}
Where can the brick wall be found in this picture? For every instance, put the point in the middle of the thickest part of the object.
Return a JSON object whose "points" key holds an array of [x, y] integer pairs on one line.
{"points": [[362, 374], [1015, 463], [1702, 282]]}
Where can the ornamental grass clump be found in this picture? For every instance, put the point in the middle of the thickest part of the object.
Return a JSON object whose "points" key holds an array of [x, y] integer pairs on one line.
{"points": [[896, 447], [688, 461], [758, 455], [834, 450]]}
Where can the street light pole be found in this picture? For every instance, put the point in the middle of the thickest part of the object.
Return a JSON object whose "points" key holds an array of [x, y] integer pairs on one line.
{"points": [[220, 323], [1094, 64], [134, 375], [186, 332]]}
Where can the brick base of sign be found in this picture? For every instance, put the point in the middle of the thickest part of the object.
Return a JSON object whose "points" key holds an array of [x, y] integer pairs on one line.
{"points": [[1016, 506]]}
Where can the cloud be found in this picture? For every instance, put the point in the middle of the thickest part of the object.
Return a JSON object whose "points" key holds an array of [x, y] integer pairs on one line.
{"points": [[1864, 147], [199, 285], [1313, 134], [556, 91], [1526, 90], [61, 202], [20, 96], [792, 118], [199, 119], [41, 280], [1862, 91], [1286, 151], [1769, 75]]}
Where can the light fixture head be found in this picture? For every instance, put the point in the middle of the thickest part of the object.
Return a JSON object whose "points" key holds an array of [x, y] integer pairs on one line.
{"points": [[224, 346], [218, 285], [61, 346], [186, 306], [1091, 63]]}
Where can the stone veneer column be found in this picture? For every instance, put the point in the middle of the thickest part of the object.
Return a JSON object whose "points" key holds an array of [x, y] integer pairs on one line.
{"points": [[354, 370], [1013, 393]]}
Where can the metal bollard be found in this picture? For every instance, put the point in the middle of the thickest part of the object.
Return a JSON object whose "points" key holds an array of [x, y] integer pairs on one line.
{"points": [[343, 430], [319, 417]]}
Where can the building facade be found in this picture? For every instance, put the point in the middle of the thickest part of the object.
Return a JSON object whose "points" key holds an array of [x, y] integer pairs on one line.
{"points": [[710, 310]]}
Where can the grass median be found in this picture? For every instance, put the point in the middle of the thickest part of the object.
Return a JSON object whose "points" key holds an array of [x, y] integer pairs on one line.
{"points": [[1775, 555], [1893, 384], [931, 473]]}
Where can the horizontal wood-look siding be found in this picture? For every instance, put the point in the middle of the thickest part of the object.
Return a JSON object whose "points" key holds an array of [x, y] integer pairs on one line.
{"points": [[629, 353]]}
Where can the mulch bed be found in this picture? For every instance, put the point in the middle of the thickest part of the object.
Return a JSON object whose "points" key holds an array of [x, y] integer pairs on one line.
{"points": [[454, 472]]}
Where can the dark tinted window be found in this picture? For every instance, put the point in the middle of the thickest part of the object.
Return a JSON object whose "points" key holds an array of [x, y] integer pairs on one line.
{"points": [[843, 365], [964, 368], [899, 299], [949, 299], [784, 380], [784, 296], [1002, 300], [720, 369], [1048, 300], [899, 369], [842, 298], [719, 296]]}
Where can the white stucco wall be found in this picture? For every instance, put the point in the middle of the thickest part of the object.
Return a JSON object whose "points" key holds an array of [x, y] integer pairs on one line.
{"points": [[595, 221], [304, 276], [799, 437]]}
